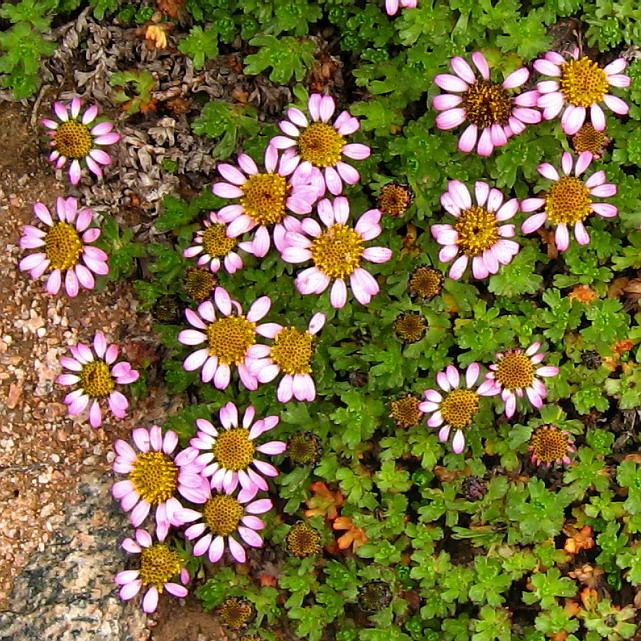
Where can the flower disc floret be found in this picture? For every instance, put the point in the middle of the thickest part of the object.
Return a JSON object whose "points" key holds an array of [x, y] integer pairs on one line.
{"points": [[96, 379], [568, 201], [155, 477], [63, 246], [549, 444], [406, 411], [321, 145], [337, 252], [515, 370], [303, 541], [158, 564], [460, 407], [234, 449], [487, 103], [216, 243], [236, 612], [264, 198], [583, 82], [395, 199], [589, 139], [199, 283], [425, 282], [222, 514], [292, 351], [477, 231], [73, 139], [410, 326], [230, 338]]}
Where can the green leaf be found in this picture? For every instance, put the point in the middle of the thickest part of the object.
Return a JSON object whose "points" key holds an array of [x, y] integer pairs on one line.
{"points": [[200, 45], [287, 56]]}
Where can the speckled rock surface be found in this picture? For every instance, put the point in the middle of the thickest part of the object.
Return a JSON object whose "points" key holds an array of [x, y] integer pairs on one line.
{"points": [[66, 592]]}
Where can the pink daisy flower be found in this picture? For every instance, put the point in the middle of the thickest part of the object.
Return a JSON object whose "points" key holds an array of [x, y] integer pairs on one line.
{"points": [[155, 476], [265, 198], [65, 242], [221, 517], [73, 139], [492, 114], [515, 373], [215, 247], [292, 354], [228, 336], [337, 252], [96, 376], [228, 454], [457, 407], [477, 233], [570, 200], [392, 6], [321, 146], [580, 84], [550, 445], [160, 569]]}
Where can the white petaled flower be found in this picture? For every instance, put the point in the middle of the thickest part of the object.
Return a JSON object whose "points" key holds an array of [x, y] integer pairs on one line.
{"points": [[337, 252], [229, 455], [454, 407], [291, 353], [570, 200], [581, 84], [156, 475], [228, 336], [160, 570], [321, 146], [266, 199], [477, 233], [515, 374], [73, 139]]}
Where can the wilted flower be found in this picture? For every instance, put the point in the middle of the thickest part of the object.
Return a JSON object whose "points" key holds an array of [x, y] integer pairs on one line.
{"points": [[569, 200], [550, 445], [303, 540], [589, 139], [65, 242], [72, 139], [515, 373], [410, 326], [374, 596], [493, 115], [477, 233], [395, 199], [406, 411], [304, 448], [236, 612], [228, 338], [337, 252], [425, 282], [230, 453], [96, 379], [160, 568], [199, 283], [581, 84], [266, 199], [292, 354], [155, 477], [320, 146]]}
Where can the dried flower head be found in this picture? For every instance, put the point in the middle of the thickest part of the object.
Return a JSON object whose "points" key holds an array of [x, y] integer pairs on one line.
{"points": [[589, 139], [406, 411], [374, 596], [236, 612], [166, 309], [591, 359], [199, 283], [395, 198], [550, 445], [474, 488], [425, 282], [303, 540], [304, 448], [410, 326]]}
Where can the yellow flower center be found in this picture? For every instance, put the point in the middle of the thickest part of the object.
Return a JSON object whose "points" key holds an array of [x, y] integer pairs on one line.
{"points": [[487, 104], [155, 477], [337, 252], [230, 338], [158, 565], [459, 407], [63, 246], [264, 198], [199, 283], [549, 444], [568, 201], [73, 139], [583, 82], [515, 371], [216, 243], [426, 283], [477, 230], [234, 450], [236, 613], [292, 351], [394, 199], [321, 145], [589, 139], [222, 514], [410, 326], [96, 379], [405, 411], [303, 540]]}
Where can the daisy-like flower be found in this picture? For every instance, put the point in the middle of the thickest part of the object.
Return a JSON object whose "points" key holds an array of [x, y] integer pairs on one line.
{"points": [[96, 376], [321, 146], [160, 569], [220, 518], [580, 84], [477, 233], [515, 373], [214, 247], [570, 200], [65, 243], [392, 6], [337, 252], [229, 455], [266, 199], [550, 445], [492, 114], [457, 407], [155, 476], [73, 139], [292, 354], [589, 139], [228, 336]]}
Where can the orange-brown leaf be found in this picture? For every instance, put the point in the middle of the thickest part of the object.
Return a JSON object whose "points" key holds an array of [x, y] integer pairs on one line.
{"points": [[583, 294]]}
